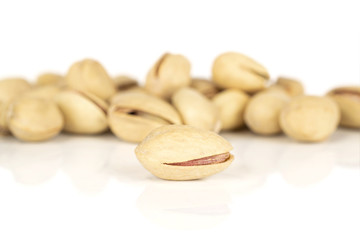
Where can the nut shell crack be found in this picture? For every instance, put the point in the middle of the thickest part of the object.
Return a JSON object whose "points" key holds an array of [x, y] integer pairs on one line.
{"points": [[215, 159]]}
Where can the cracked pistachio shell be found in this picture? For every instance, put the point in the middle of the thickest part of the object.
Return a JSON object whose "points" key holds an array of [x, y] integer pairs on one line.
{"points": [[348, 99], [84, 113], [50, 79], [180, 152], [235, 70], [310, 118], [291, 86], [204, 86], [170, 73], [134, 115], [10, 88], [34, 119], [90, 76], [123, 82], [263, 110], [119, 94], [231, 105], [44, 92], [196, 110]]}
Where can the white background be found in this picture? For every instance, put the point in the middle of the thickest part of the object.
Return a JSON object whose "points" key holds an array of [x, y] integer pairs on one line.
{"points": [[314, 41]]}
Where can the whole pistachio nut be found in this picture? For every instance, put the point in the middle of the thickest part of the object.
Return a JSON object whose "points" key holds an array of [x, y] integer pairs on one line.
{"points": [[34, 119], [263, 110], [179, 152], [134, 115], [196, 110], [231, 105], [123, 82], [44, 91], [50, 79], [235, 70], [170, 73], [84, 113], [348, 99], [292, 87], [10, 88], [90, 76], [206, 87], [310, 118], [119, 94]]}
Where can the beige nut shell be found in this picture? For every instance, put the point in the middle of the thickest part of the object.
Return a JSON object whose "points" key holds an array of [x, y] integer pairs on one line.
{"points": [[235, 70], [231, 105], [84, 113], [196, 110], [152, 112], [178, 143], [348, 99], [204, 86], [310, 118], [34, 119], [170, 73]]}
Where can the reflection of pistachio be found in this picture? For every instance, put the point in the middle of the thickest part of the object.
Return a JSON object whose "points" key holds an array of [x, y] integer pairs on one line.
{"points": [[50, 79], [84, 113], [34, 119], [196, 110], [123, 82], [134, 115], [235, 70], [90, 76], [348, 99], [169, 73], [231, 104], [206, 87], [179, 152], [10, 88], [310, 118]]}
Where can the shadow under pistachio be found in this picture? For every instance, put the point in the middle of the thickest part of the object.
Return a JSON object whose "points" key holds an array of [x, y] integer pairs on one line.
{"points": [[184, 205]]}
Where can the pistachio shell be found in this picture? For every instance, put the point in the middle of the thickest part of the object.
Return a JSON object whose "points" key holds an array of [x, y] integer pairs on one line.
{"points": [[196, 110], [179, 143], [134, 115], [231, 105], [170, 73], [235, 70], [292, 87], [84, 113], [310, 118], [204, 86], [44, 91], [90, 76], [34, 119], [123, 82], [50, 79], [348, 99]]}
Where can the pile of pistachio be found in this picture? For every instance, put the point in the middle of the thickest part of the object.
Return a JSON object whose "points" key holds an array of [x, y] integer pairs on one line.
{"points": [[175, 116]]}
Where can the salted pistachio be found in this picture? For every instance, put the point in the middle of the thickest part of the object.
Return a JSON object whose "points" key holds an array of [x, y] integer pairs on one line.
{"points": [[123, 82], [235, 70], [348, 99], [50, 79], [196, 110], [263, 110], [231, 105], [119, 94], [10, 88], [180, 152], [90, 76], [134, 115], [170, 73], [291, 86], [206, 87], [34, 119], [84, 113], [310, 118], [44, 91]]}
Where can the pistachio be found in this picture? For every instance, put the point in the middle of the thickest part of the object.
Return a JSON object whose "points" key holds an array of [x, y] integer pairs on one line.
{"points": [[134, 115], [10, 88], [204, 86], [50, 79], [44, 91], [231, 105], [235, 70], [34, 119], [263, 110], [170, 73], [291, 86], [196, 110], [84, 113], [89, 76], [310, 118], [348, 99], [123, 82], [179, 152]]}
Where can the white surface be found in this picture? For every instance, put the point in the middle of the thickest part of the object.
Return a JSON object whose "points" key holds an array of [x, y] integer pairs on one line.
{"points": [[78, 187]]}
